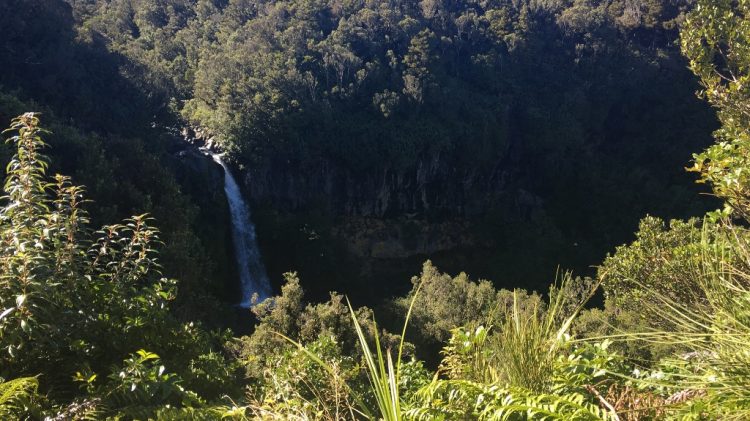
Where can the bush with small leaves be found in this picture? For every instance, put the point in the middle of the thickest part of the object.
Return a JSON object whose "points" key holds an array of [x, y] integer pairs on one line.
{"points": [[77, 302]]}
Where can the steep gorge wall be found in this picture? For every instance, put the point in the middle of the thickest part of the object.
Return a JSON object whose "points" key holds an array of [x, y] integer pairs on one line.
{"points": [[433, 185], [392, 212]]}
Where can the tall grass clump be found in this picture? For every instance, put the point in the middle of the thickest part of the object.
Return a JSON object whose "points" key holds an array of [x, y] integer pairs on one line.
{"points": [[526, 344], [512, 370], [382, 371], [710, 375]]}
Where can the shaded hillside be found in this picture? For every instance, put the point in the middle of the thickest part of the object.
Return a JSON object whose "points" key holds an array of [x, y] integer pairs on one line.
{"points": [[102, 134], [553, 125]]}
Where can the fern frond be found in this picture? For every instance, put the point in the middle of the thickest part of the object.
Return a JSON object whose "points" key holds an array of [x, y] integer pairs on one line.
{"points": [[459, 399], [14, 393]]}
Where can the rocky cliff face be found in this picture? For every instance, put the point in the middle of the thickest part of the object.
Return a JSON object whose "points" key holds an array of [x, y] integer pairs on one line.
{"points": [[391, 212], [203, 180], [366, 234], [404, 236], [432, 186]]}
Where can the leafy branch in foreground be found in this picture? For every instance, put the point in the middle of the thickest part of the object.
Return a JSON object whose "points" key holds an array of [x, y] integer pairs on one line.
{"points": [[715, 38], [76, 304]]}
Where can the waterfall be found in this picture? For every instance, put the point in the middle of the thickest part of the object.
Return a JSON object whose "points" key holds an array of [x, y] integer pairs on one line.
{"points": [[253, 278]]}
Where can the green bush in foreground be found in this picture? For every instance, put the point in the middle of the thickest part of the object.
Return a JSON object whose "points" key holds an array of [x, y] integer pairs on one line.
{"points": [[86, 331], [81, 307]]}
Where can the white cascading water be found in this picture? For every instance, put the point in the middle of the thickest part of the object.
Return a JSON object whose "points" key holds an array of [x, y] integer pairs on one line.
{"points": [[253, 277]]}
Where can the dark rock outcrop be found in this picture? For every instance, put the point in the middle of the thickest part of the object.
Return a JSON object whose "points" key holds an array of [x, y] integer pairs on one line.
{"points": [[433, 186]]}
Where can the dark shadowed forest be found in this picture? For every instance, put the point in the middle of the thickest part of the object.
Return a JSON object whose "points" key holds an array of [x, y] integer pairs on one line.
{"points": [[209, 203]]}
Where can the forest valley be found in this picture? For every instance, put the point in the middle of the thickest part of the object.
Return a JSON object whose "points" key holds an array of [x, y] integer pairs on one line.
{"points": [[586, 161]]}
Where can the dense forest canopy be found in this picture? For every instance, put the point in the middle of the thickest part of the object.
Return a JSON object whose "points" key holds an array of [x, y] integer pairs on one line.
{"points": [[510, 121], [378, 72], [359, 83], [365, 123], [501, 136]]}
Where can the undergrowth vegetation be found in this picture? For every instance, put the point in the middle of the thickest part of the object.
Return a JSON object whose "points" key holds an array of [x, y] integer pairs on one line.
{"points": [[86, 330]]}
